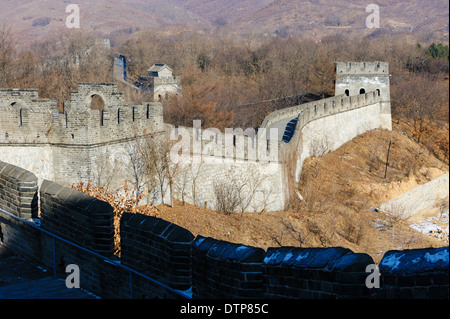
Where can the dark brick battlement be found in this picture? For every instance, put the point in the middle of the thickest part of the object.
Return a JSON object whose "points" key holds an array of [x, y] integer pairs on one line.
{"points": [[208, 267]]}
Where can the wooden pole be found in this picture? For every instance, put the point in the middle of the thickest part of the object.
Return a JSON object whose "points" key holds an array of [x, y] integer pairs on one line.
{"points": [[387, 160]]}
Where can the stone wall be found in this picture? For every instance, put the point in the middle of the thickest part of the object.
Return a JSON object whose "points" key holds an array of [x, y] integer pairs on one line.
{"points": [[35, 158], [315, 273], [42, 123], [157, 248], [423, 197], [18, 191], [227, 159], [209, 268], [325, 125], [318, 109], [18, 196], [226, 270], [322, 126], [328, 133], [78, 217], [362, 103], [415, 274], [262, 190], [79, 143]]}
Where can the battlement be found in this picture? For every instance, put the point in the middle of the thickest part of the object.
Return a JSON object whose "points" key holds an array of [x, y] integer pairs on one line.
{"points": [[78, 229], [22, 93], [366, 68], [80, 100], [92, 139], [354, 78], [165, 80], [29, 120], [264, 144], [230, 146], [318, 109], [15, 98], [334, 105]]}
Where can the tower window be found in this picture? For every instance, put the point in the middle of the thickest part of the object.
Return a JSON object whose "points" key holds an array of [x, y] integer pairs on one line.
{"points": [[97, 103]]}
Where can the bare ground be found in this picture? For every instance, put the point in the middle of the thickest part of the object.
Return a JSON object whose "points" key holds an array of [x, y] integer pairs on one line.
{"points": [[339, 190]]}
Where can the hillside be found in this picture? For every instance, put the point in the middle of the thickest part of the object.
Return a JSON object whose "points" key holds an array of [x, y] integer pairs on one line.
{"points": [[40, 19], [316, 18], [339, 188]]}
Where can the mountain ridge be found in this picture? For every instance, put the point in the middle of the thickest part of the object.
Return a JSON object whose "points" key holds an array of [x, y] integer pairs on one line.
{"points": [[314, 18]]}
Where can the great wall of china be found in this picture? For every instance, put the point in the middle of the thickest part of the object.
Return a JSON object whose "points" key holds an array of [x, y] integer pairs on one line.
{"points": [[43, 151], [160, 259], [81, 144]]}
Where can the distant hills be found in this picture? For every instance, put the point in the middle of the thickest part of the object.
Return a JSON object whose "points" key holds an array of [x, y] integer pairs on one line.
{"points": [[32, 19]]}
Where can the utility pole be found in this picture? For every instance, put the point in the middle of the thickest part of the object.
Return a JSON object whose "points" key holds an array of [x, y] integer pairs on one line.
{"points": [[387, 160]]}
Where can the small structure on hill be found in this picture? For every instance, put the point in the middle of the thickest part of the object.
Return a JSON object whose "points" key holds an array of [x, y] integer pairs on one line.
{"points": [[160, 82]]}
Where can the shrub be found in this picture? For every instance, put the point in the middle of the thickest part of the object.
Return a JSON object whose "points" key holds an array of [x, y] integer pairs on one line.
{"points": [[41, 22]]}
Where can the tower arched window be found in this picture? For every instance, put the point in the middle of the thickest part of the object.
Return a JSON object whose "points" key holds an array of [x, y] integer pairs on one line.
{"points": [[97, 103]]}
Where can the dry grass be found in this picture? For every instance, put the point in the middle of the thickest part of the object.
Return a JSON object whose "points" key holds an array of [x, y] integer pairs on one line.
{"points": [[339, 189], [435, 138]]}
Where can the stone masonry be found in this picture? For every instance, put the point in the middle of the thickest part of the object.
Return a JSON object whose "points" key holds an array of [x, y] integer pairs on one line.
{"points": [[85, 144], [199, 267]]}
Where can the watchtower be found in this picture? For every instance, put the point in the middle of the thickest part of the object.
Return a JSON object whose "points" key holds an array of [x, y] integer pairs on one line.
{"points": [[160, 82], [354, 78]]}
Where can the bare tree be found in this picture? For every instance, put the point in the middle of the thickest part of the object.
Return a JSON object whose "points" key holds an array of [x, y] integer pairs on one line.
{"points": [[322, 74], [295, 233], [237, 191], [136, 165], [105, 168], [226, 194], [320, 146], [395, 212], [196, 171], [160, 171], [7, 48], [181, 183]]}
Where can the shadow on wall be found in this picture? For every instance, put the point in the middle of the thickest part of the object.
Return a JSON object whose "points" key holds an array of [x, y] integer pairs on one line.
{"points": [[198, 267]]}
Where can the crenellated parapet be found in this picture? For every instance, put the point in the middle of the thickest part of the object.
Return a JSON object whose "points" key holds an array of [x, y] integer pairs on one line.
{"points": [[354, 78], [26, 119], [84, 142], [168, 261], [92, 139]]}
